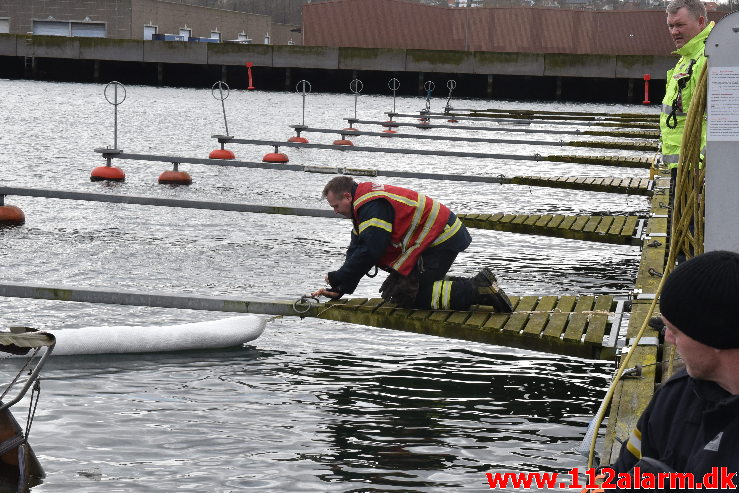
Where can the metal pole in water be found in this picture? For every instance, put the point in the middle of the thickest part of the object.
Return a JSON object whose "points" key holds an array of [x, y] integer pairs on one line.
{"points": [[303, 88], [223, 98], [451, 85], [356, 87], [393, 84], [429, 86], [115, 102]]}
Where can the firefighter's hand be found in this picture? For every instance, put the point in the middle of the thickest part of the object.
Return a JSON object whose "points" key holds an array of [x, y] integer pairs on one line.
{"points": [[325, 292]]}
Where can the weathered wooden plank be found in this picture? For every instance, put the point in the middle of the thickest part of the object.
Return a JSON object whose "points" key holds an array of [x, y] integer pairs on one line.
{"points": [[579, 223], [604, 225], [518, 319], [544, 220], [629, 228], [556, 221], [579, 320], [558, 321], [617, 226], [538, 320], [478, 318], [591, 224], [532, 220], [567, 222]]}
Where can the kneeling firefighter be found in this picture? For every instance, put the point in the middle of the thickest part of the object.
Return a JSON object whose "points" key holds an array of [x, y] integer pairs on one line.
{"points": [[413, 237]]}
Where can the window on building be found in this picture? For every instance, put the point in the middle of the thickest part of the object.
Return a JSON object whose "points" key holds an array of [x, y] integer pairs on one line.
{"points": [[186, 33], [4, 25], [88, 29], [150, 31], [266, 39], [215, 35], [51, 28]]}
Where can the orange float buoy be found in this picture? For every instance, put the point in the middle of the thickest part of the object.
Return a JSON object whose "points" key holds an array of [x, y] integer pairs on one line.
{"points": [[275, 157], [298, 139], [11, 215], [389, 131], [351, 129], [173, 177], [343, 142], [107, 173], [221, 154]]}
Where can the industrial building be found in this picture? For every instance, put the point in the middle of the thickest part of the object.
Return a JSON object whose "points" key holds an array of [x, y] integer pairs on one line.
{"points": [[142, 19]]}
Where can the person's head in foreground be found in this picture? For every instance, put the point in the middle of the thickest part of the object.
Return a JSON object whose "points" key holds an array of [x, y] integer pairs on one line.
{"points": [[700, 307]]}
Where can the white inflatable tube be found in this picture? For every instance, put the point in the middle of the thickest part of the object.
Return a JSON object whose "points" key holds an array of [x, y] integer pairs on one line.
{"points": [[216, 334]]}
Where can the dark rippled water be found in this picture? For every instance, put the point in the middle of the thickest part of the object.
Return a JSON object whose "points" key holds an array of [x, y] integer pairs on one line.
{"points": [[311, 405]]}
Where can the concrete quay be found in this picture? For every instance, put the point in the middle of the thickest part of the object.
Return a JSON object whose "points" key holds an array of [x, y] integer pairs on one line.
{"points": [[479, 73]]}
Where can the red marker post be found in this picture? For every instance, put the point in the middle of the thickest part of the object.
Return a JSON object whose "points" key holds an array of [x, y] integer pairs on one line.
{"points": [[647, 78], [251, 83]]}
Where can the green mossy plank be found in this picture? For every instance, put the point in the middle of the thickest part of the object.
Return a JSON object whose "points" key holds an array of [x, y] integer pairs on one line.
{"points": [[579, 223], [478, 318], [537, 321], [630, 226], [555, 222], [567, 222], [544, 220], [591, 224], [579, 320], [604, 225], [617, 226]]}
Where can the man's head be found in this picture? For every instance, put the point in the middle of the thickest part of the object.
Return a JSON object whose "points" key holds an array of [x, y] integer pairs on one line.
{"points": [[700, 306], [338, 193], [685, 20]]}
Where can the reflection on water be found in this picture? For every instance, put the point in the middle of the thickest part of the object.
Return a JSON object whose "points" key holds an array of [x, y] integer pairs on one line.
{"points": [[311, 405]]}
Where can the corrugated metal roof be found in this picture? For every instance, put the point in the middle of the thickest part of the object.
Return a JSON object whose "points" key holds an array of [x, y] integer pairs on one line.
{"points": [[402, 24]]}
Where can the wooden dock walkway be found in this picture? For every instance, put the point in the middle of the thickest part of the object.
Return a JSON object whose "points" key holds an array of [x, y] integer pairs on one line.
{"points": [[629, 186], [619, 161], [547, 113], [621, 230], [512, 118], [626, 134], [633, 392], [624, 230], [593, 144], [581, 326]]}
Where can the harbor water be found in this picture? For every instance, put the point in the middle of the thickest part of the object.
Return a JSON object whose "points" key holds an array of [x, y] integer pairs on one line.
{"points": [[311, 405]]}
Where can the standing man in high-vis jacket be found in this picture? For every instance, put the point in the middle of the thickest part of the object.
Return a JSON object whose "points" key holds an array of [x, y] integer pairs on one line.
{"points": [[413, 237], [686, 20]]}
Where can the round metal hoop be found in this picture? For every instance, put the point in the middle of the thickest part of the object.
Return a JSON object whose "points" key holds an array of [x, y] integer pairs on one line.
{"points": [[393, 84], [356, 86], [115, 84], [300, 87], [429, 85], [305, 303], [220, 84], [451, 84]]}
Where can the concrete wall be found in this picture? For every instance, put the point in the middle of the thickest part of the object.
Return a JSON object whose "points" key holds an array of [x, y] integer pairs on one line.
{"points": [[321, 57]]}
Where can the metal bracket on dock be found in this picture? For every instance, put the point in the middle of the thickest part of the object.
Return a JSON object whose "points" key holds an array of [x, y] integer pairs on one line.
{"points": [[222, 139], [616, 321], [639, 229]]}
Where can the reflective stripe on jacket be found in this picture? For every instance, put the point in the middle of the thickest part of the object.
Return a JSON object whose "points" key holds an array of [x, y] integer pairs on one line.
{"points": [[692, 60], [418, 222]]}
